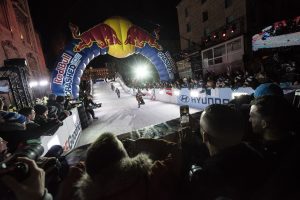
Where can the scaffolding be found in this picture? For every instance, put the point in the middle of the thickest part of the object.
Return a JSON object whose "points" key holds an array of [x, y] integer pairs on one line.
{"points": [[15, 72]]}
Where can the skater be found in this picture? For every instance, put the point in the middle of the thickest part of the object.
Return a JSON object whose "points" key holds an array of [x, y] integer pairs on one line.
{"points": [[139, 97], [118, 92], [112, 86], [89, 104]]}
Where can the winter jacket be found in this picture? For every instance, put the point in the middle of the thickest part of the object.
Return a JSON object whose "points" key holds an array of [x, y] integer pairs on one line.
{"points": [[132, 178]]}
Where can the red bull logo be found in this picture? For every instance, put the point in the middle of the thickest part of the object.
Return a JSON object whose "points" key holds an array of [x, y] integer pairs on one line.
{"points": [[102, 34], [139, 37]]}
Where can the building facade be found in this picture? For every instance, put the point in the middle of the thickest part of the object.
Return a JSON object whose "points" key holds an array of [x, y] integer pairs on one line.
{"points": [[91, 73], [217, 27], [18, 38], [222, 30]]}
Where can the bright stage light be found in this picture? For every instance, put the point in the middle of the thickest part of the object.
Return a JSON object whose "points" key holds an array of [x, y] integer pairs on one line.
{"points": [[43, 83], [141, 72], [33, 84]]}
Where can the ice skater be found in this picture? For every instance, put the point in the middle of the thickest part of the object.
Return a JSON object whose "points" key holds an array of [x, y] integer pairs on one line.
{"points": [[139, 97], [118, 92]]}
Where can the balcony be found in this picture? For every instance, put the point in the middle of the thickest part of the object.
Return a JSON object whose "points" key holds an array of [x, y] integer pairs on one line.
{"points": [[224, 33]]}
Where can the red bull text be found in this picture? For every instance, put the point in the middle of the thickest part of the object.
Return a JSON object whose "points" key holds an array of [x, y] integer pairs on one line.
{"points": [[61, 68]]}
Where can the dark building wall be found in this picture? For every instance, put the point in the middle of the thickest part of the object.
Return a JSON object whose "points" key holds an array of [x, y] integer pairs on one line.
{"points": [[18, 38]]}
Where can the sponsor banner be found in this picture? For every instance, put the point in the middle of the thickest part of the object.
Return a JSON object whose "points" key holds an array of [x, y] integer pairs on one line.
{"points": [[196, 98], [67, 135], [64, 74], [201, 101], [169, 91]]}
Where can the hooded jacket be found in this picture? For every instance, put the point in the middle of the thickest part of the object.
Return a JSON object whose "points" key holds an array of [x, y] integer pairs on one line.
{"points": [[131, 178]]}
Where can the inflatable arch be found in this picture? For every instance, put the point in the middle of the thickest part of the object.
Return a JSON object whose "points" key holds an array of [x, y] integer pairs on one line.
{"points": [[117, 37]]}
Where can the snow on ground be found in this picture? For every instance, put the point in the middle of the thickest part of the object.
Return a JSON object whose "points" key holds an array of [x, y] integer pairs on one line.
{"points": [[122, 115]]}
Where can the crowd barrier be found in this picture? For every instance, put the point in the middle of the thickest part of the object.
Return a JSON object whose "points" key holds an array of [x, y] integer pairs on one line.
{"points": [[195, 98], [67, 135]]}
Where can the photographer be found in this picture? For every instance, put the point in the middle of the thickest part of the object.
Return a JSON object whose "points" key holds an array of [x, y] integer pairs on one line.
{"points": [[33, 187], [88, 104]]}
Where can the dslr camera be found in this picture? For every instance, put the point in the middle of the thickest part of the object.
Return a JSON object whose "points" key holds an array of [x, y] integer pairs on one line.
{"points": [[20, 170]]}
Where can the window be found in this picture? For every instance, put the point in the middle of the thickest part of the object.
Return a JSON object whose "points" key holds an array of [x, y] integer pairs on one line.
{"points": [[203, 1], [207, 54], [234, 45], [204, 16], [229, 19], [219, 52], [188, 28], [228, 3], [186, 12]]}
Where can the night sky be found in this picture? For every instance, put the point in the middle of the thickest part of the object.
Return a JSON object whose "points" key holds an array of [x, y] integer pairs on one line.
{"points": [[51, 18]]}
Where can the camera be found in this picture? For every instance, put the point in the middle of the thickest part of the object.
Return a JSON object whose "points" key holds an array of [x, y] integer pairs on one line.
{"points": [[184, 115], [97, 105], [20, 170]]}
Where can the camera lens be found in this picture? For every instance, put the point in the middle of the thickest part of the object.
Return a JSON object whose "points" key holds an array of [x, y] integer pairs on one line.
{"points": [[31, 152]]}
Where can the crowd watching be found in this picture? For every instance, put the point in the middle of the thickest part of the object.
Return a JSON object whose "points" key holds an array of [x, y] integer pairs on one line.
{"points": [[247, 149], [212, 81]]}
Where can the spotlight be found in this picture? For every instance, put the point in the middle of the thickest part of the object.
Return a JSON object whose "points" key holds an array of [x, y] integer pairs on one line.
{"points": [[43, 83], [141, 72], [33, 84]]}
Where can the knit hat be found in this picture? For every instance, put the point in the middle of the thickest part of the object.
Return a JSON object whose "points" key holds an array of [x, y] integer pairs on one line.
{"points": [[40, 109], [268, 89], [12, 117]]}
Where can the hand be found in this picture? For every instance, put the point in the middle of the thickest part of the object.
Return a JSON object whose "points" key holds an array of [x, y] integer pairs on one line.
{"points": [[33, 187], [185, 136], [67, 187]]}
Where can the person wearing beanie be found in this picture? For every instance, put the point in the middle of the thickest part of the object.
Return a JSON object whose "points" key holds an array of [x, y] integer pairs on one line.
{"points": [[12, 121], [268, 89], [12, 117], [29, 113], [41, 117]]}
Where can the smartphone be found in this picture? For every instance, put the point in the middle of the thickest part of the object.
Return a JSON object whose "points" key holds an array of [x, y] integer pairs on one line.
{"points": [[184, 115]]}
